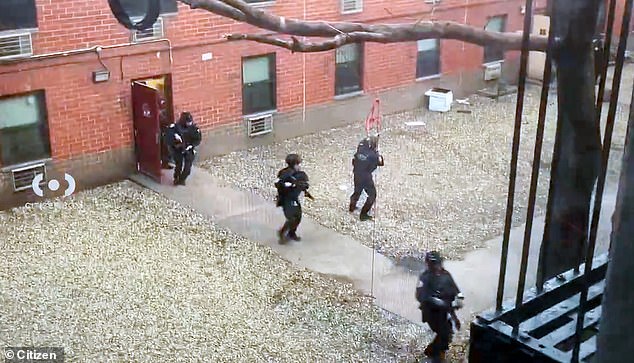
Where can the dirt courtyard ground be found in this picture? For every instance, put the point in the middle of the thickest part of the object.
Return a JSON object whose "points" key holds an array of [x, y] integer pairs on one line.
{"points": [[120, 273], [444, 185]]}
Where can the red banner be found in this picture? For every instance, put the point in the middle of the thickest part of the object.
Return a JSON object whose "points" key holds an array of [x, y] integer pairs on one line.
{"points": [[373, 121]]}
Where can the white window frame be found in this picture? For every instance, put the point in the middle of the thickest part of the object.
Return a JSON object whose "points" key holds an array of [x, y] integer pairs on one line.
{"points": [[272, 78], [39, 97], [437, 48]]}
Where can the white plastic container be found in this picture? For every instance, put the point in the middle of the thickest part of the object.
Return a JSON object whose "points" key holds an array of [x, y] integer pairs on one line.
{"points": [[440, 99]]}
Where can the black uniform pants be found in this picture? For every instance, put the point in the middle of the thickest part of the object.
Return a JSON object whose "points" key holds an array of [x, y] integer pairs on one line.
{"points": [[184, 162], [293, 214], [440, 324], [363, 183]]}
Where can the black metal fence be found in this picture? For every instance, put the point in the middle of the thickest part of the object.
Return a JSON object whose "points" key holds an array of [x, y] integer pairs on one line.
{"points": [[556, 320]]}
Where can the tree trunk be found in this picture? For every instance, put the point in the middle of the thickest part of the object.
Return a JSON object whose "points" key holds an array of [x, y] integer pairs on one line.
{"points": [[615, 341], [577, 154]]}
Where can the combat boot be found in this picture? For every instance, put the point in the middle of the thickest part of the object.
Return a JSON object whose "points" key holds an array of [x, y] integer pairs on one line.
{"points": [[438, 358], [283, 238], [365, 217]]}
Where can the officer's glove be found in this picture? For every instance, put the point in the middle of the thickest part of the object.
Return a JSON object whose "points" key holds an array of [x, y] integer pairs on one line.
{"points": [[456, 322], [302, 185], [288, 184], [189, 148], [178, 138], [458, 302]]}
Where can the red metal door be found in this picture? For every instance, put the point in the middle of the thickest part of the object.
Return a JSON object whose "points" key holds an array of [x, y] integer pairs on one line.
{"points": [[145, 103]]}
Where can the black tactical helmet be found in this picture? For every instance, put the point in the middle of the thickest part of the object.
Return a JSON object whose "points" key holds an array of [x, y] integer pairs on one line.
{"points": [[433, 258], [186, 118], [293, 159], [373, 142]]}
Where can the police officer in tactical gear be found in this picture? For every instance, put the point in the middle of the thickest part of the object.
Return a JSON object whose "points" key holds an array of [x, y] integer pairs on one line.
{"points": [[364, 163], [164, 123], [183, 137], [291, 182], [439, 298]]}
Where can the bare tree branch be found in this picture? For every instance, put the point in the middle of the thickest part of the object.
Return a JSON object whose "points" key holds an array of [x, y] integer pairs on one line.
{"points": [[382, 33], [216, 7], [295, 45]]}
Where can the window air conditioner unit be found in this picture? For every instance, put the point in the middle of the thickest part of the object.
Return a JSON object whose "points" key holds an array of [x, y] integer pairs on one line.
{"points": [[23, 176], [157, 31], [434, 2], [492, 71], [16, 46], [351, 6], [259, 125]]}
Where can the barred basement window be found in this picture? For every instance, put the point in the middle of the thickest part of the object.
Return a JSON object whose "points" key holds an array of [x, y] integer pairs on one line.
{"points": [[259, 125], [24, 175]]}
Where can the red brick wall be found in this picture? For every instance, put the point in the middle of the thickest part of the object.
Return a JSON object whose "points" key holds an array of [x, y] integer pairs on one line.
{"points": [[618, 20], [90, 118]]}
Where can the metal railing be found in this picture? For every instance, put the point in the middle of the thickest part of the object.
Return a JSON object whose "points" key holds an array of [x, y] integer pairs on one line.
{"points": [[585, 284]]}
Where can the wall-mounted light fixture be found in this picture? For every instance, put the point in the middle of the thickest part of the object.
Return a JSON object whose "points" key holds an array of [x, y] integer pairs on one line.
{"points": [[100, 76]]}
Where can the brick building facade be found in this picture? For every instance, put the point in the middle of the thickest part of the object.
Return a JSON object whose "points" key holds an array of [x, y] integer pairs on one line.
{"points": [[52, 111]]}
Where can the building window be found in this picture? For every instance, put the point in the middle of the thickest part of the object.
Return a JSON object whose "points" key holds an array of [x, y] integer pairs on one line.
{"points": [[348, 71], [258, 84], [494, 53], [17, 14], [428, 58], [23, 129], [136, 8]]}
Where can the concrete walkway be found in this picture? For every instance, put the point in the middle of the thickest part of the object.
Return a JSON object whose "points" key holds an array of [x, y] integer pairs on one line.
{"points": [[339, 256]]}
